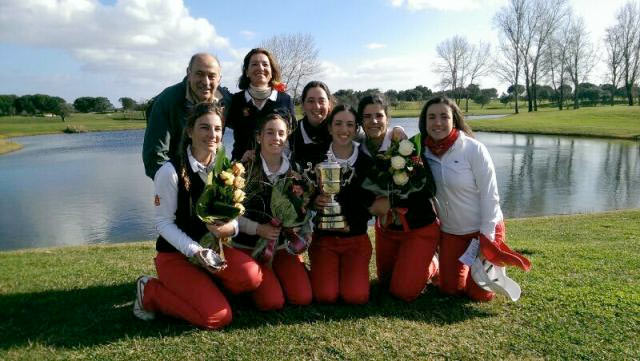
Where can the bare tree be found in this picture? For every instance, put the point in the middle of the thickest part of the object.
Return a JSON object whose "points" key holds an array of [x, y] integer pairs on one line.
{"points": [[298, 58], [555, 59], [613, 46], [581, 57], [628, 25], [460, 64], [509, 20], [453, 56], [478, 65], [544, 19]]}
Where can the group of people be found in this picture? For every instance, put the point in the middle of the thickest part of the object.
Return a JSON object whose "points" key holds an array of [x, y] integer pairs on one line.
{"points": [[458, 203]]}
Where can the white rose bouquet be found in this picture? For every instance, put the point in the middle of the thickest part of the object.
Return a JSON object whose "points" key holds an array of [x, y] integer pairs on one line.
{"points": [[398, 172]]}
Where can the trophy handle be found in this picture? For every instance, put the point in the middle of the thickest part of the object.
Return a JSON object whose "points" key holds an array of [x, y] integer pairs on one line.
{"points": [[348, 169], [307, 171]]}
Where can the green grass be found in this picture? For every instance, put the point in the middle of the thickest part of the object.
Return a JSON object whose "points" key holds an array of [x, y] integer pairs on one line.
{"points": [[619, 121], [16, 126], [581, 300], [413, 109]]}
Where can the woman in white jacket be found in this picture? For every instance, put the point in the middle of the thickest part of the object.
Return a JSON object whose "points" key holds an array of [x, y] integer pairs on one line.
{"points": [[467, 194]]}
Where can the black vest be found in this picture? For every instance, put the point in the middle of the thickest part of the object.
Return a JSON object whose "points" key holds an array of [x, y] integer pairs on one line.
{"points": [[186, 218], [243, 118]]}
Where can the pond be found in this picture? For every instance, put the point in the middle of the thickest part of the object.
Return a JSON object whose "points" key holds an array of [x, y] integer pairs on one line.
{"points": [[72, 189]]}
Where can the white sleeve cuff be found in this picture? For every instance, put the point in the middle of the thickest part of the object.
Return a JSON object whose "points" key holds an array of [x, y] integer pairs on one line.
{"points": [[247, 226]]}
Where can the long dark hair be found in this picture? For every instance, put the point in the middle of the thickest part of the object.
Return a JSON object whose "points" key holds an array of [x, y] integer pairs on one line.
{"points": [[244, 81], [198, 111], [458, 117]]}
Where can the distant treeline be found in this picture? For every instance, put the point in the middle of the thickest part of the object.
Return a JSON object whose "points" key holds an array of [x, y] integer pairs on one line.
{"points": [[37, 104], [588, 94]]}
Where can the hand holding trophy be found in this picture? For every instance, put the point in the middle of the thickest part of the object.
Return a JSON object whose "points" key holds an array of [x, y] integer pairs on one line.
{"points": [[330, 178]]}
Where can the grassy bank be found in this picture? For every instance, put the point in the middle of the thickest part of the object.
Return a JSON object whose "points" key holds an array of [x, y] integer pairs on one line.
{"points": [[413, 109], [581, 300], [619, 121], [17, 126], [7, 146]]}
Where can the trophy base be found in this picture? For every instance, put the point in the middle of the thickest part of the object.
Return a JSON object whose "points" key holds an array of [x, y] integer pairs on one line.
{"points": [[331, 223]]}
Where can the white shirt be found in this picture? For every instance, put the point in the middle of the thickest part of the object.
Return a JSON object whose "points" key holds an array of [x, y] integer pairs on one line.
{"points": [[386, 142], [352, 158], [165, 183], [250, 226], [272, 97], [467, 191]]}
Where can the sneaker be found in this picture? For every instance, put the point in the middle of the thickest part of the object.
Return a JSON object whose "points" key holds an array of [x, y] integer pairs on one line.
{"points": [[138, 310]]}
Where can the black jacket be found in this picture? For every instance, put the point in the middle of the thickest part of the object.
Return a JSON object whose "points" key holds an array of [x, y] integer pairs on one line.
{"points": [[243, 118]]}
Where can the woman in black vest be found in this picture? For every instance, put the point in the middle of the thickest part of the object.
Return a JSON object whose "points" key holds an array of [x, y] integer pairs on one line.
{"points": [[261, 93], [183, 289], [340, 258], [310, 140], [284, 274]]}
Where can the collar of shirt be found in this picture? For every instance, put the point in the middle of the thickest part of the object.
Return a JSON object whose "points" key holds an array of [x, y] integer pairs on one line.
{"points": [[198, 167], [284, 167], [386, 142], [249, 99], [305, 136], [352, 158]]}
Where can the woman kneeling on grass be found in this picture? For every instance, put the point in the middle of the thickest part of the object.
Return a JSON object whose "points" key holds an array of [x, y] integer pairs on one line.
{"points": [[467, 193], [183, 289], [340, 258], [263, 229], [407, 239]]}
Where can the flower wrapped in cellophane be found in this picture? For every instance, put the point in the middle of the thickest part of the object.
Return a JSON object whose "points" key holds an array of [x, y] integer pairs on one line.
{"points": [[220, 202], [288, 206], [397, 174]]}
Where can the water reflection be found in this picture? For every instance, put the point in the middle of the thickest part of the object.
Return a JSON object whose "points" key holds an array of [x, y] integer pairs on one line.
{"points": [[540, 175], [91, 188]]}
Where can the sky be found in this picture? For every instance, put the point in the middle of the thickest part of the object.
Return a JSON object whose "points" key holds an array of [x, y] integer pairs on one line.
{"points": [[136, 48]]}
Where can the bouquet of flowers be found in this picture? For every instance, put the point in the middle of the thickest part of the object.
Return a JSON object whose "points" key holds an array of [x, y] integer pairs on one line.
{"points": [[220, 202], [398, 172], [290, 197]]}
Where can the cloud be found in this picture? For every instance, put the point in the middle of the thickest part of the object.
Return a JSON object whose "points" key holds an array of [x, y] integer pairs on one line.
{"points": [[459, 5], [399, 72], [147, 41], [248, 34], [373, 46]]}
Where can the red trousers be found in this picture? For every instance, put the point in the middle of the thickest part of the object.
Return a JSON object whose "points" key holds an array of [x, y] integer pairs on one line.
{"points": [[340, 268], [404, 259], [286, 278], [454, 275], [184, 290]]}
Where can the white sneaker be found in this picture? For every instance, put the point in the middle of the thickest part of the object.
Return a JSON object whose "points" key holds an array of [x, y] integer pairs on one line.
{"points": [[138, 310]]}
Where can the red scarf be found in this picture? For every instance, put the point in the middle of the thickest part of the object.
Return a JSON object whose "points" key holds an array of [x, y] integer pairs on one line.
{"points": [[439, 147]]}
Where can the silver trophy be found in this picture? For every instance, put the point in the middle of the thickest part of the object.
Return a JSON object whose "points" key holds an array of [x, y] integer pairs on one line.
{"points": [[330, 178]]}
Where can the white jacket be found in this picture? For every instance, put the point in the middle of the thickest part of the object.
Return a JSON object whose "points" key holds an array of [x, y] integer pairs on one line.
{"points": [[467, 191]]}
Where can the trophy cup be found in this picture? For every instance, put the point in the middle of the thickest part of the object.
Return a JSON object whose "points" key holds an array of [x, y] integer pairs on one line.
{"points": [[329, 179]]}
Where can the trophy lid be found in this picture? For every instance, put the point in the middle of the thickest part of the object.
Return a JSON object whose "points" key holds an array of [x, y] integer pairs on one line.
{"points": [[330, 162]]}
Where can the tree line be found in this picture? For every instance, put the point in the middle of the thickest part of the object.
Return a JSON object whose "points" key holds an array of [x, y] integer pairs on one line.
{"points": [[38, 104]]}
